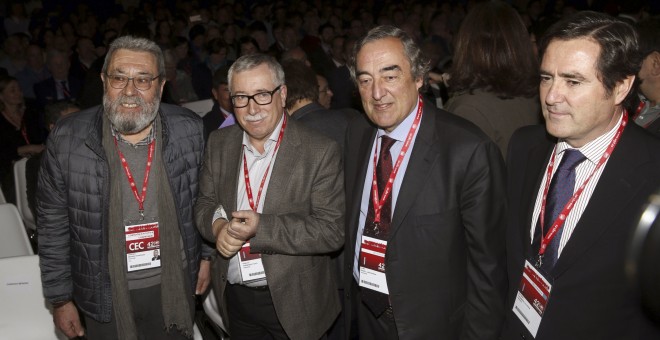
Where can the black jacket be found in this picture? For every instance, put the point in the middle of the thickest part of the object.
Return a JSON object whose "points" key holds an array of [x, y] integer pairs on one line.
{"points": [[73, 205]]}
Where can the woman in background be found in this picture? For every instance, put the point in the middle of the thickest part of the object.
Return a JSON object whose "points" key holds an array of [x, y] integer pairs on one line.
{"points": [[21, 133], [494, 78]]}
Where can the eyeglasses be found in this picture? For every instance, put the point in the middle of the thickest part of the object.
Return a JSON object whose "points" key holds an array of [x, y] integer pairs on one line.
{"points": [[142, 83], [261, 98]]}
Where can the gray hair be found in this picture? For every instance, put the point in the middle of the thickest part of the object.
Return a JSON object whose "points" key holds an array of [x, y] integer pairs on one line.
{"points": [[136, 44], [419, 65], [248, 62]]}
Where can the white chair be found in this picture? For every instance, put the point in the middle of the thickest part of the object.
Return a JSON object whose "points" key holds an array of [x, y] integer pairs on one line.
{"points": [[2, 197], [25, 314], [14, 240], [21, 195], [213, 312], [200, 107]]}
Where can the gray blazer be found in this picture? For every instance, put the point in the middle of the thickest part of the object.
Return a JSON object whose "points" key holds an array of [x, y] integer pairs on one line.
{"points": [[301, 223]]}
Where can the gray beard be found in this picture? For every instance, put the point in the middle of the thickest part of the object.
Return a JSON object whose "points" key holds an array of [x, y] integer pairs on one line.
{"points": [[130, 123]]}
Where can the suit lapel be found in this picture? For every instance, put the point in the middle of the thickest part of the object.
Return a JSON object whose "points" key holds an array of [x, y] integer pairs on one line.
{"points": [[363, 159], [233, 166], [537, 159], [617, 181], [419, 166], [286, 159]]}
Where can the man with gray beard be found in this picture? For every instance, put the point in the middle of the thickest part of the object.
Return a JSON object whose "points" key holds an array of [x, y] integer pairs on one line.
{"points": [[117, 184]]}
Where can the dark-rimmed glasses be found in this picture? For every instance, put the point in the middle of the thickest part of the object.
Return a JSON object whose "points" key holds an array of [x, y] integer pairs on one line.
{"points": [[261, 98], [142, 83]]}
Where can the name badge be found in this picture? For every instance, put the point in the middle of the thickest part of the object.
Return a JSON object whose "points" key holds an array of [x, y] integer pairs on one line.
{"points": [[372, 264], [252, 268], [142, 246], [532, 298]]}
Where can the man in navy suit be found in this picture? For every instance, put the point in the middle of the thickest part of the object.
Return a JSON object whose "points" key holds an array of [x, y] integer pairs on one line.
{"points": [[566, 257], [61, 86]]}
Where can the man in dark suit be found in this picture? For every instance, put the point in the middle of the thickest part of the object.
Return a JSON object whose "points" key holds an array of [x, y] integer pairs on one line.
{"points": [[647, 110], [61, 86], [424, 244], [302, 103], [272, 201], [222, 112], [569, 224]]}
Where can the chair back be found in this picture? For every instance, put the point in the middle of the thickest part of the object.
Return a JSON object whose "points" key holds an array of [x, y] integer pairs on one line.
{"points": [[21, 195], [25, 315], [14, 240]]}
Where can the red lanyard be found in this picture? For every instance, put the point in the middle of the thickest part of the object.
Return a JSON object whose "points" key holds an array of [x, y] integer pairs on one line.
{"points": [[559, 222], [139, 198], [254, 205], [639, 110], [25, 134], [378, 203]]}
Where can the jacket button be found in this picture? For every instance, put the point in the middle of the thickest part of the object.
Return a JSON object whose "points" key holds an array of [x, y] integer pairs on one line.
{"points": [[522, 336]]}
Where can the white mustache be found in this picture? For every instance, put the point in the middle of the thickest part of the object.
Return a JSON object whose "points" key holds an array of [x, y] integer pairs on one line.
{"points": [[254, 118]]}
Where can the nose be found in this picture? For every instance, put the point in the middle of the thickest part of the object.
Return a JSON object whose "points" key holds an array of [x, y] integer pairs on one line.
{"points": [[253, 107], [553, 92], [377, 91], [130, 88]]}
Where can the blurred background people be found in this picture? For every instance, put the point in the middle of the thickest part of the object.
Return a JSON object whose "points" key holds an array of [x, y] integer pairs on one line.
{"points": [[494, 76], [21, 133]]}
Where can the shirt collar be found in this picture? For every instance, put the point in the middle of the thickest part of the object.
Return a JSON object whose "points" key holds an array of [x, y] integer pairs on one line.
{"points": [[145, 141], [593, 150]]}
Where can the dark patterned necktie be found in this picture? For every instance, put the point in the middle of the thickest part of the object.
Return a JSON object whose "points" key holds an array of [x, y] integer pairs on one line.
{"points": [[559, 193], [377, 302]]}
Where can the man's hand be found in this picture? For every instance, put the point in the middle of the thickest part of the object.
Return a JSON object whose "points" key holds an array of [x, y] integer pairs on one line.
{"points": [[244, 224], [203, 277], [66, 319], [226, 245]]}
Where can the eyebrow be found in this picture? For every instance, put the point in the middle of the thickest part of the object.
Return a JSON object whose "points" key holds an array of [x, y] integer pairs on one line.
{"points": [[570, 75], [121, 71], [384, 69]]}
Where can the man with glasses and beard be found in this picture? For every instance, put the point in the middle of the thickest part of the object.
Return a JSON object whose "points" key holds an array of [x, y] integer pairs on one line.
{"points": [[117, 183]]}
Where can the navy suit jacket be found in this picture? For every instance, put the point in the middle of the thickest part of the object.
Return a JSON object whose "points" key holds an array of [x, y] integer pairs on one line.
{"points": [[46, 91], [590, 298]]}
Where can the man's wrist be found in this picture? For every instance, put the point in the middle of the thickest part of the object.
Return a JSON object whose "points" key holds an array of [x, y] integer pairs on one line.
{"points": [[59, 304]]}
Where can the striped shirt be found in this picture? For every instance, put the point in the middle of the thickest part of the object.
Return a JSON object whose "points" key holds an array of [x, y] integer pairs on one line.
{"points": [[593, 151]]}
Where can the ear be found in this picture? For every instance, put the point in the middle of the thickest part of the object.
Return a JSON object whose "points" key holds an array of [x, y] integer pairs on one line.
{"points": [[283, 91], [622, 88], [655, 63], [215, 94], [419, 82]]}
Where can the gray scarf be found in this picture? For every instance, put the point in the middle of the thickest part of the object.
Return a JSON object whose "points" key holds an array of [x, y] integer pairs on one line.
{"points": [[176, 303]]}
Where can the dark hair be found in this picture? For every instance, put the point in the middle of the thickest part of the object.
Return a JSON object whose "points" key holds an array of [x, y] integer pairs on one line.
{"points": [[494, 52], [619, 48], [216, 45], [419, 65], [649, 36], [300, 82], [53, 111], [4, 82], [220, 76]]}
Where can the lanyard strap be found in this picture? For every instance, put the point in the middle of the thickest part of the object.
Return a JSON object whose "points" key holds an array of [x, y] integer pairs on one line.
{"points": [[559, 221], [138, 197], [248, 189], [378, 203]]}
